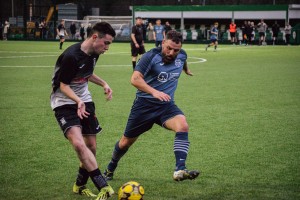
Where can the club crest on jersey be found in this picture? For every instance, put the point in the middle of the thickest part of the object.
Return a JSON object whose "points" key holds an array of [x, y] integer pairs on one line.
{"points": [[163, 77], [178, 63], [63, 121]]}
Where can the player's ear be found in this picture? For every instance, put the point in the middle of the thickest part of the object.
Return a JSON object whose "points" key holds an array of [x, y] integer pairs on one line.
{"points": [[94, 36]]}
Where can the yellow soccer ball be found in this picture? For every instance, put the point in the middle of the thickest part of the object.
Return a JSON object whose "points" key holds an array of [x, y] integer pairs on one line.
{"points": [[131, 191]]}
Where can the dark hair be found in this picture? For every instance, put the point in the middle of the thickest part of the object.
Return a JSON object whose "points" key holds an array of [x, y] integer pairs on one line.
{"points": [[138, 18], [174, 36], [103, 28]]}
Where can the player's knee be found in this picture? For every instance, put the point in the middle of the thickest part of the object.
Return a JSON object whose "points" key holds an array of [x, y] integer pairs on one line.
{"points": [[126, 142], [184, 127], [79, 147]]}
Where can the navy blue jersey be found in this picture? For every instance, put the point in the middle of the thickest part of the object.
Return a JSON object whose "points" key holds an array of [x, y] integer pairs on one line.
{"points": [[214, 35], [160, 76]]}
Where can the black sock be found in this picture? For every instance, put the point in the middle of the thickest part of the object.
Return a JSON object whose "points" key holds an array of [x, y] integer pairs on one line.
{"points": [[60, 45], [98, 179], [133, 64], [215, 47], [82, 177]]}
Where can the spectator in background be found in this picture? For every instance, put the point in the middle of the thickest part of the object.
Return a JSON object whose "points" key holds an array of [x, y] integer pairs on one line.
{"points": [[159, 33], [1, 30], [167, 27], [275, 30], [232, 30], [44, 29], [243, 28], [73, 30], [150, 29], [262, 27], [144, 26], [89, 29], [5, 30], [248, 32], [252, 26], [288, 31], [82, 32]]}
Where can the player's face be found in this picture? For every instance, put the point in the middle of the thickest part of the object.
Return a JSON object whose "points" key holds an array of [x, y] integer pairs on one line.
{"points": [[101, 45], [170, 50]]}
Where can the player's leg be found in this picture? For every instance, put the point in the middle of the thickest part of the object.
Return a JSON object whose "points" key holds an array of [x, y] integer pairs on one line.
{"points": [[140, 120], [216, 45], [83, 175], [121, 147], [181, 147], [134, 54], [88, 160]]}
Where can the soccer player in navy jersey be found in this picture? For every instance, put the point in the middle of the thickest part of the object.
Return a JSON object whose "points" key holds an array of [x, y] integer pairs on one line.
{"points": [[156, 77], [213, 37], [74, 108]]}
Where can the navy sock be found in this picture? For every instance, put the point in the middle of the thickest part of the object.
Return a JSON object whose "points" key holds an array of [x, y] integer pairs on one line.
{"points": [[215, 46], [60, 45], [181, 148], [98, 179], [82, 177], [116, 156]]}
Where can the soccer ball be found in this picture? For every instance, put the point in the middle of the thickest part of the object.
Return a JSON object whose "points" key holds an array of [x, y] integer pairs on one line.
{"points": [[131, 191]]}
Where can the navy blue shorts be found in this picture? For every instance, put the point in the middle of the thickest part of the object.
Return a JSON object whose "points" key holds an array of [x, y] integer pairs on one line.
{"points": [[144, 114], [213, 40]]}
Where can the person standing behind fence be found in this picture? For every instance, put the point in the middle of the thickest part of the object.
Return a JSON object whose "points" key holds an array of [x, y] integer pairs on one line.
{"points": [[248, 31], [150, 29], [159, 33], [82, 32], [73, 30], [275, 30], [167, 27], [262, 27], [232, 30], [88, 30], [288, 31], [5, 30]]}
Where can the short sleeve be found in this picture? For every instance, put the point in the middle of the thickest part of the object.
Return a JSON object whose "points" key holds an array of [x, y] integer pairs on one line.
{"points": [[144, 64], [68, 69], [133, 30]]}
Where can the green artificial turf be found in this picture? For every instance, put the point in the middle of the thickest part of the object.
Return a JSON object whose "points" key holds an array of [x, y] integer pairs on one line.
{"points": [[242, 105]]}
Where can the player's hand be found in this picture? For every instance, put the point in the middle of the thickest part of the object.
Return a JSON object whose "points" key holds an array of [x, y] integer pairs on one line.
{"points": [[137, 45], [81, 112], [108, 92], [161, 96], [188, 72]]}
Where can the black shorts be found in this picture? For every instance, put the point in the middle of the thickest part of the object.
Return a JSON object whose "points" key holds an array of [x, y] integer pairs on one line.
{"points": [[67, 117], [261, 34], [213, 40], [144, 114], [158, 43], [275, 34], [137, 51], [232, 34], [61, 37]]}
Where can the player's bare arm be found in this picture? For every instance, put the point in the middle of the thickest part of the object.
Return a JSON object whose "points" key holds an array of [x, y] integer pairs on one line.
{"points": [[186, 69], [137, 80], [134, 40], [71, 94], [99, 81]]}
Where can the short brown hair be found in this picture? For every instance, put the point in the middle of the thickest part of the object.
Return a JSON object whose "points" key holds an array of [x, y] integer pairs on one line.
{"points": [[174, 36]]}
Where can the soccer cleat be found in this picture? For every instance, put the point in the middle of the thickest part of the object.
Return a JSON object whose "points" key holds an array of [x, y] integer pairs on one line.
{"points": [[105, 193], [82, 190], [181, 175], [108, 175]]}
